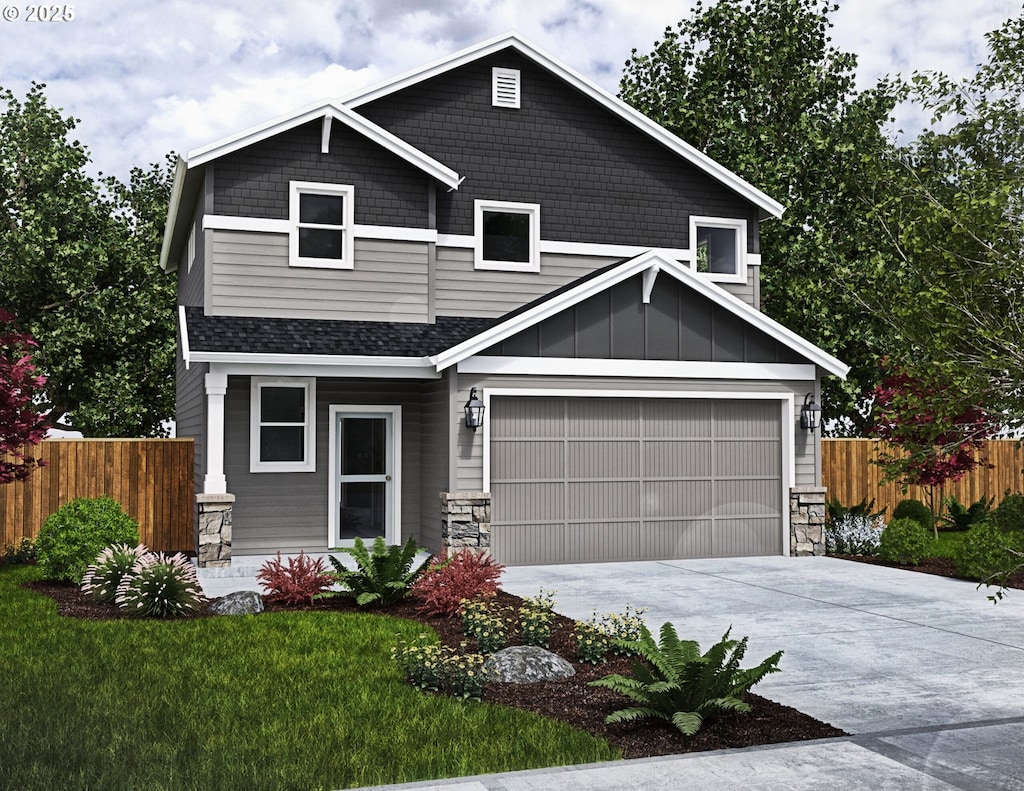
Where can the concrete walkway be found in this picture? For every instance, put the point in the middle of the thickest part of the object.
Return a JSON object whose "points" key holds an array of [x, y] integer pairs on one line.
{"points": [[925, 672]]}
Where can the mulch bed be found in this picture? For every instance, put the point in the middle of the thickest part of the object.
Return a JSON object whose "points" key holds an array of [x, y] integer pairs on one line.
{"points": [[569, 700], [942, 567]]}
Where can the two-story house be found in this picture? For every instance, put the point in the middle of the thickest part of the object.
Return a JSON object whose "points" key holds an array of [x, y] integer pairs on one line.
{"points": [[489, 299]]}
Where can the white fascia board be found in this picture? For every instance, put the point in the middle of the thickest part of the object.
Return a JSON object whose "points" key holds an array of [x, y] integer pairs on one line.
{"points": [[250, 363], [635, 369], [173, 206], [575, 79], [183, 330], [223, 222], [353, 120]]}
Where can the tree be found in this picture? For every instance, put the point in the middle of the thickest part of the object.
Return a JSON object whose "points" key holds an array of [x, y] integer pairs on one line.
{"points": [[939, 430], [78, 263], [758, 86], [21, 424], [951, 210]]}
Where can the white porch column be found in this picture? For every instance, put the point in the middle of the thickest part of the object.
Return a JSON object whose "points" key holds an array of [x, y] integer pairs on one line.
{"points": [[216, 389]]}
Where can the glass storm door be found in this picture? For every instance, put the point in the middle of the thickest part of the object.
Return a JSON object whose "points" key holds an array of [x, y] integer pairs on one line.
{"points": [[364, 488]]}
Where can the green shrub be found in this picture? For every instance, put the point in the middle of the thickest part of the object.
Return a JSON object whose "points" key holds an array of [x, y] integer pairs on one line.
{"points": [[904, 541], [1009, 515], [680, 685], [987, 553], [102, 578], [19, 554], [916, 510], [960, 517], [160, 586], [835, 511], [433, 667], [612, 633], [383, 574], [487, 623], [75, 534]]}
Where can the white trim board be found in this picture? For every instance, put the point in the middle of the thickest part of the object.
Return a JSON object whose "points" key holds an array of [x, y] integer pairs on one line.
{"points": [[786, 416], [223, 222], [635, 369]]}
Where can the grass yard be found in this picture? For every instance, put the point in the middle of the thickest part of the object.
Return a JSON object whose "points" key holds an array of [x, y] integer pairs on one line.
{"points": [[276, 701]]}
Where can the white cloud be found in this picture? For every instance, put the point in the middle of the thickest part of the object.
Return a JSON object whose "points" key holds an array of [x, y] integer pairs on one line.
{"points": [[151, 76]]}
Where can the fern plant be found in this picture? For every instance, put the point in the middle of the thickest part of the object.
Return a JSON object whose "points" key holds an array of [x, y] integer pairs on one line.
{"points": [[676, 683], [960, 517], [383, 574]]}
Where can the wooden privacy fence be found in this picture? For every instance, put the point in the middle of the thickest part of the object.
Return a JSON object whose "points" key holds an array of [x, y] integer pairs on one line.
{"points": [[847, 471], [150, 478]]}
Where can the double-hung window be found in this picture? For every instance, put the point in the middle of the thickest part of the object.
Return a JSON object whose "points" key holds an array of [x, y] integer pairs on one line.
{"points": [[321, 217], [507, 236], [717, 248], [282, 420]]}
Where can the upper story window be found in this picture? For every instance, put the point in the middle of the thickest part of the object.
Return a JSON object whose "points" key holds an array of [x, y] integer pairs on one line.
{"points": [[281, 427], [507, 236], [717, 247], [322, 218]]}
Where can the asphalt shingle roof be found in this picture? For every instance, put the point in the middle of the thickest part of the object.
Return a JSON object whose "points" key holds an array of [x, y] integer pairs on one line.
{"points": [[254, 335]]}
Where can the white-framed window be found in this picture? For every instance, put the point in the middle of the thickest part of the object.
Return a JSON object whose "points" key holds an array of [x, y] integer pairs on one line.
{"points": [[507, 236], [282, 422], [717, 248], [322, 217], [505, 88]]}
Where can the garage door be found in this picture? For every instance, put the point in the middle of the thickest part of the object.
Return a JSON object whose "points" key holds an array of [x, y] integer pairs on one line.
{"points": [[594, 479]]}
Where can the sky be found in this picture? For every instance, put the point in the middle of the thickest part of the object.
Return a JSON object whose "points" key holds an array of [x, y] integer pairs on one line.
{"points": [[146, 77]]}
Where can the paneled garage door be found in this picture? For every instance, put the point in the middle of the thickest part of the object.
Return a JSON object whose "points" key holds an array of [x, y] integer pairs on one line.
{"points": [[594, 479]]}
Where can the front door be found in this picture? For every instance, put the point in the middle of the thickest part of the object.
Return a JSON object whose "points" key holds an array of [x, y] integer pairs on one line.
{"points": [[364, 449]]}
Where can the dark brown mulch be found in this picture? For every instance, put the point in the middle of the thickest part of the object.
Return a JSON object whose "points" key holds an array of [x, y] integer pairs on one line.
{"points": [[942, 567], [569, 700]]}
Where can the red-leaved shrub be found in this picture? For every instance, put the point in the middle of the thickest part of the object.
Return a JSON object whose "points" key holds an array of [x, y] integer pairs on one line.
{"points": [[449, 580], [298, 582]]}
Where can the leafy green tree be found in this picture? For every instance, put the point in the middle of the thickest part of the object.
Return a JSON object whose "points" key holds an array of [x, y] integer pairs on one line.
{"points": [[78, 264], [757, 85], [951, 212]]}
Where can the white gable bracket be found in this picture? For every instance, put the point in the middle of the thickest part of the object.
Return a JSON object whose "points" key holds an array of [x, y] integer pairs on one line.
{"points": [[649, 277], [325, 134]]}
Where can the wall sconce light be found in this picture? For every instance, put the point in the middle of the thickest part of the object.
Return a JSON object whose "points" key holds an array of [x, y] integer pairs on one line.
{"points": [[810, 413], [474, 411]]}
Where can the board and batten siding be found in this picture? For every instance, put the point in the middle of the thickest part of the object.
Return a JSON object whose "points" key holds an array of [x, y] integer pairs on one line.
{"points": [[250, 276], [807, 462], [190, 412], [288, 511], [435, 432]]}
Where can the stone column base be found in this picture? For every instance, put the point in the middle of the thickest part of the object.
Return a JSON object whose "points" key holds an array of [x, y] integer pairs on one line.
{"points": [[466, 521], [807, 520], [214, 549]]}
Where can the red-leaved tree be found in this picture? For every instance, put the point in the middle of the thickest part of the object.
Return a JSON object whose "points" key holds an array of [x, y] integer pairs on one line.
{"points": [[937, 429], [21, 426]]}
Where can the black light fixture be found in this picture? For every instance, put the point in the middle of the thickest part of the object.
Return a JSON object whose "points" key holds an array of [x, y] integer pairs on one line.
{"points": [[474, 411], [810, 413]]}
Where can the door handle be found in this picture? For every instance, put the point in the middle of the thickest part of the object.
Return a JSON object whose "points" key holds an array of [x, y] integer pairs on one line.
{"points": [[387, 477]]}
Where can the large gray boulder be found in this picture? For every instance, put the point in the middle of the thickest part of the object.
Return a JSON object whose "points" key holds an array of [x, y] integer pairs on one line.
{"points": [[238, 603], [526, 664]]}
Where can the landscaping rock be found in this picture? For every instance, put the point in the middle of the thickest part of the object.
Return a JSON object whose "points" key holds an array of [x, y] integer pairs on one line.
{"points": [[238, 603], [526, 664]]}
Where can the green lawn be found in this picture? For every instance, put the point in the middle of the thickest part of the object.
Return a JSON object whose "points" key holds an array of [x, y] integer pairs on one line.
{"points": [[275, 701]]}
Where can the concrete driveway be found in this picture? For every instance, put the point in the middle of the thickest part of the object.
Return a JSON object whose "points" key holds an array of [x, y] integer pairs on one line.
{"points": [[925, 672]]}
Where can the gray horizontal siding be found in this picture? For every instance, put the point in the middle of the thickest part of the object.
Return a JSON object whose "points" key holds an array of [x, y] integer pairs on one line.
{"points": [[462, 290], [288, 511], [250, 276]]}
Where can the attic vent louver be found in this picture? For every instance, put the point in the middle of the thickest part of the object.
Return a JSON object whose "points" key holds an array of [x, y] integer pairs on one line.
{"points": [[505, 88]]}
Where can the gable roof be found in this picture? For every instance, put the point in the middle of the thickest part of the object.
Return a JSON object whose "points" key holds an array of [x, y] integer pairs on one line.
{"points": [[651, 264], [188, 175], [768, 206]]}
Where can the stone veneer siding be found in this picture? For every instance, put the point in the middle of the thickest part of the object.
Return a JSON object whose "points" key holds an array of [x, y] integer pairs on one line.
{"points": [[214, 542], [466, 520], [807, 520]]}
